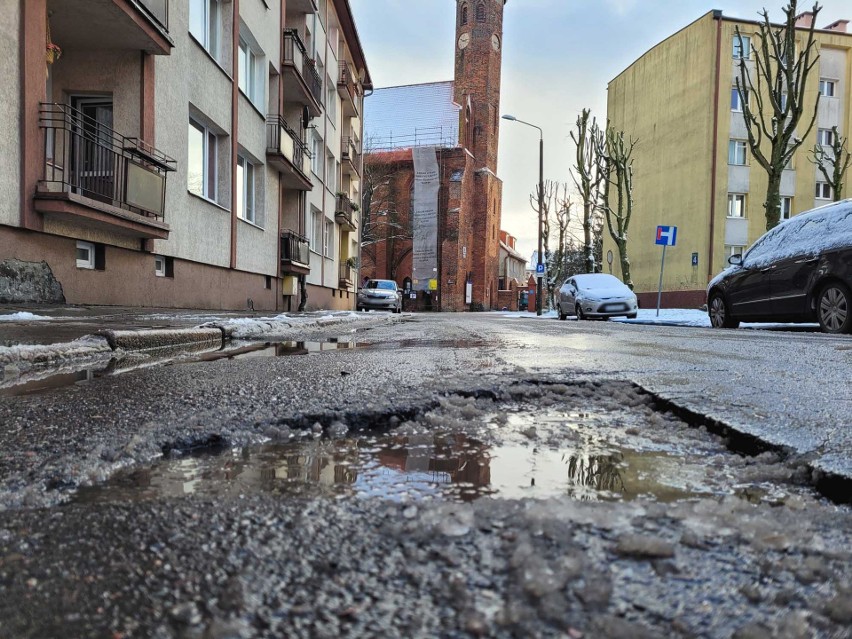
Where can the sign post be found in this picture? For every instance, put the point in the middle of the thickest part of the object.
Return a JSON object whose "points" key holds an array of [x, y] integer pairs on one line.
{"points": [[666, 236]]}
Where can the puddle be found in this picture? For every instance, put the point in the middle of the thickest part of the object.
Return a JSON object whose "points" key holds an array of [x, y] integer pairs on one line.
{"points": [[466, 451]]}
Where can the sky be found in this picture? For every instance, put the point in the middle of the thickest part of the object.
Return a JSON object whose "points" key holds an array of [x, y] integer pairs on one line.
{"points": [[558, 57]]}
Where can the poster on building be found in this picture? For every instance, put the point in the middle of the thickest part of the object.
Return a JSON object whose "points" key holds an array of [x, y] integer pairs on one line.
{"points": [[424, 216]]}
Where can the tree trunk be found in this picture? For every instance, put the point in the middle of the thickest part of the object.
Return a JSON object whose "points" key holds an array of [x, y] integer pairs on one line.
{"points": [[587, 237], [773, 201], [625, 262]]}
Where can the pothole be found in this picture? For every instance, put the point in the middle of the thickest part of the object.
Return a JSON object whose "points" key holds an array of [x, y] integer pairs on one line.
{"points": [[596, 442]]}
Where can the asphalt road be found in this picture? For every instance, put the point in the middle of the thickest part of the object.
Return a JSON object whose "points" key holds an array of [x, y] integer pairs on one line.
{"points": [[265, 564]]}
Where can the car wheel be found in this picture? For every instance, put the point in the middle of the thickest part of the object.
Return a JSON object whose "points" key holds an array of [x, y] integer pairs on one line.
{"points": [[562, 315], [720, 315], [579, 312], [833, 310], [631, 316]]}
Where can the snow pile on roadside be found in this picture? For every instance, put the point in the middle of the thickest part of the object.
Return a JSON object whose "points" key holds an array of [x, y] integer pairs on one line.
{"points": [[669, 316], [23, 316], [24, 357], [251, 328]]}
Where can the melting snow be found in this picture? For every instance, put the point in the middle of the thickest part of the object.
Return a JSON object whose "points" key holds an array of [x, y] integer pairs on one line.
{"points": [[23, 316]]}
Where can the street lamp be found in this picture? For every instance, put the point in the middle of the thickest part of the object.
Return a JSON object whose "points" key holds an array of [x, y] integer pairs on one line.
{"points": [[539, 278]]}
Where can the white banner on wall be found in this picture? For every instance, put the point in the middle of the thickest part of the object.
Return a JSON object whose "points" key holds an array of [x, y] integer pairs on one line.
{"points": [[424, 216]]}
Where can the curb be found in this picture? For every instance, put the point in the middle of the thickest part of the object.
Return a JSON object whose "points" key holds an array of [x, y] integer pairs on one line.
{"points": [[160, 338]]}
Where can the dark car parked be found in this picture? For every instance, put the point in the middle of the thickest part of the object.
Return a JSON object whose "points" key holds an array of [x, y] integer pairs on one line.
{"points": [[800, 271]]}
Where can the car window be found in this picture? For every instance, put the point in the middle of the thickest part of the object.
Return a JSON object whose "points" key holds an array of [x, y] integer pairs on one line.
{"points": [[385, 285]]}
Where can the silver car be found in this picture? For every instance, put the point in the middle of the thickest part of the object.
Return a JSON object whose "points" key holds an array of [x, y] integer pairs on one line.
{"points": [[596, 295], [380, 295]]}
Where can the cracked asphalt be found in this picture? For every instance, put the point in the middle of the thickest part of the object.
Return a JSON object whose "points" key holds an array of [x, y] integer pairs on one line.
{"points": [[266, 565]]}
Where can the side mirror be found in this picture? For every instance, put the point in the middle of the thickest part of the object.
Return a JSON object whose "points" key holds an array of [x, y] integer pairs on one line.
{"points": [[736, 260]]}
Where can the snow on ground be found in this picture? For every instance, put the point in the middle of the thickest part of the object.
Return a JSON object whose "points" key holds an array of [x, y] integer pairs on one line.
{"points": [[252, 327], [23, 316], [23, 357]]}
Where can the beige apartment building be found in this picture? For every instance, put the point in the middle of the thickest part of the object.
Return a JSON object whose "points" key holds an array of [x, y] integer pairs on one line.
{"points": [[181, 153], [692, 165]]}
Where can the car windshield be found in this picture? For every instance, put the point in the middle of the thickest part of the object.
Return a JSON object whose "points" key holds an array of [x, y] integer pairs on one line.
{"points": [[593, 281], [386, 285]]}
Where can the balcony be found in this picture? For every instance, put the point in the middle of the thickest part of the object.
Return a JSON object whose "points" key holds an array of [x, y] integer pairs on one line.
{"points": [[347, 89], [287, 154], [295, 254], [98, 178], [302, 6], [302, 81], [350, 156], [139, 25], [346, 213], [347, 275]]}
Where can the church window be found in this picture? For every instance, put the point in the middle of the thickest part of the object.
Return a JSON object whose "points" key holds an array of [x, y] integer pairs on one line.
{"points": [[464, 11], [480, 12]]}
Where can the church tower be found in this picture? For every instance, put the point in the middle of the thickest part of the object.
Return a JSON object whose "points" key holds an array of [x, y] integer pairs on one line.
{"points": [[479, 55]]}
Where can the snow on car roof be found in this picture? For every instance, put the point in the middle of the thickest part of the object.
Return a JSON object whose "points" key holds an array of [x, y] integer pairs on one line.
{"points": [[810, 233], [597, 280]]}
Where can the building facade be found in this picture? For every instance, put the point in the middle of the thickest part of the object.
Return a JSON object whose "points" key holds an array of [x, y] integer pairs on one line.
{"points": [[460, 119], [692, 165], [200, 153]]}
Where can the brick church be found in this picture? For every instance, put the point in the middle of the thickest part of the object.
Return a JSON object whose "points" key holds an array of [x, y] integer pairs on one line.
{"points": [[460, 121]]}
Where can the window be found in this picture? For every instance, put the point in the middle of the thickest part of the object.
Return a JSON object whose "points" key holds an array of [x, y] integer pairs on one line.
{"points": [[204, 21], [823, 191], [316, 230], [159, 266], [331, 101], [480, 12], [85, 255], [736, 205], [786, 207], [742, 47], [827, 87], [248, 72], [328, 240], [736, 100], [201, 162], [737, 152], [731, 250], [464, 15], [331, 174], [825, 137], [783, 101], [317, 156], [245, 190]]}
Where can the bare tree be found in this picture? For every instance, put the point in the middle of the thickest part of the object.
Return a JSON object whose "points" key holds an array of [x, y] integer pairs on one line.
{"points": [[588, 179], [615, 164], [833, 162], [384, 226], [773, 97], [556, 215]]}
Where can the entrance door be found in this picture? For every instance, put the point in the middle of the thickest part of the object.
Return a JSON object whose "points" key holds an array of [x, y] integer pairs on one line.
{"points": [[93, 157]]}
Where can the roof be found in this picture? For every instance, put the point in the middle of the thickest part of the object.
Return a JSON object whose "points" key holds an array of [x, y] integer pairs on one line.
{"points": [[512, 252], [411, 115]]}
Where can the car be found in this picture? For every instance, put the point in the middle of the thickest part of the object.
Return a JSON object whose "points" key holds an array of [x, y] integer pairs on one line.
{"points": [[799, 271], [379, 295], [596, 295]]}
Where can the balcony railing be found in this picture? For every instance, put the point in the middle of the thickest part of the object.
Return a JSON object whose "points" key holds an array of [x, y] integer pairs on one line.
{"points": [[345, 213], [296, 54], [347, 83], [283, 140], [87, 158], [349, 153], [157, 10], [295, 250]]}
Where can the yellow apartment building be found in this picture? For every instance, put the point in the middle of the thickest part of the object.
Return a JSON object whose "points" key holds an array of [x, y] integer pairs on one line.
{"points": [[692, 165]]}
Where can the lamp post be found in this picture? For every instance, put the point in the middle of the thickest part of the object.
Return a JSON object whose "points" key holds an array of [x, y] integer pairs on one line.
{"points": [[539, 275]]}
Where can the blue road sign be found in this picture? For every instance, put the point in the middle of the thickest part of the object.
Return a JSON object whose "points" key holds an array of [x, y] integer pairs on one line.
{"points": [[539, 269], [666, 235], [695, 259]]}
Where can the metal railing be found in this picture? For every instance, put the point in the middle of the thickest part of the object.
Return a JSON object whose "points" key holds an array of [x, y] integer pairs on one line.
{"points": [[349, 151], [158, 10], [344, 212], [296, 54], [348, 82], [429, 136], [86, 157], [295, 248], [345, 273], [280, 138]]}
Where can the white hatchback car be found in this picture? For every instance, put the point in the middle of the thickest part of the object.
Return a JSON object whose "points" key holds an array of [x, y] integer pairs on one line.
{"points": [[596, 295]]}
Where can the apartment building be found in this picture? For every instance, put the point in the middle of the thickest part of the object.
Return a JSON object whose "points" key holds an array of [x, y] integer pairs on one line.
{"points": [[198, 153], [692, 163]]}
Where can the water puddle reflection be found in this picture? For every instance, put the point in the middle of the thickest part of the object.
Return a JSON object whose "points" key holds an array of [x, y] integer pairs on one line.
{"points": [[430, 466]]}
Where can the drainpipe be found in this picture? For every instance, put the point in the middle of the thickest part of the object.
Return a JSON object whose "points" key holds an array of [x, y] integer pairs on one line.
{"points": [[717, 16]]}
